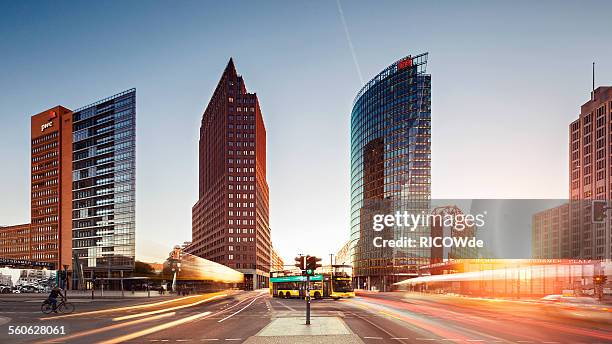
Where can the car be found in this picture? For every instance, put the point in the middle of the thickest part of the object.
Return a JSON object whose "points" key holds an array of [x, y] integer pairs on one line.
{"points": [[578, 307]]}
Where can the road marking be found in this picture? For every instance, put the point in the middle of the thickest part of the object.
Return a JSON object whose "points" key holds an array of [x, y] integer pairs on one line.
{"points": [[377, 326], [139, 315], [240, 310], [233, 338], [209, 339], [475, 340], [284, 305], [115, 326], [154, 329], [397, 338]]}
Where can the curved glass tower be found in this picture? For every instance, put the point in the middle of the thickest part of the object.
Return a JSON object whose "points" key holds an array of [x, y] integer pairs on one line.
{"points": [[390, 169]]}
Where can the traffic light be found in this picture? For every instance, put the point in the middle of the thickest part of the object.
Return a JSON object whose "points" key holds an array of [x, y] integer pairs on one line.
{"points": [[600, 279], [599, 208], [300, 262], [312, 263]]}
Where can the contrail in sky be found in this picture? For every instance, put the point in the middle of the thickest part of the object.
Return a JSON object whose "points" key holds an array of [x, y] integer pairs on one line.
{"points": [[350, 42]]}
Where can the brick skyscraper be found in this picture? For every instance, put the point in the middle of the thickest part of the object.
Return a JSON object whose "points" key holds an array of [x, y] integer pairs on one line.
{"points": [[590, 171], [568, 231], [230, 220], [51, 228]]}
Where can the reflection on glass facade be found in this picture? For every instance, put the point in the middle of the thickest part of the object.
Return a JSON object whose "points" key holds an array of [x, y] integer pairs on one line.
{"points": [[103, 183], [390, 169]]}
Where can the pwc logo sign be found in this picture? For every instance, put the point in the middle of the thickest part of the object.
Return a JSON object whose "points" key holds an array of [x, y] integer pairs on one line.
{"points": [[49, 124]]}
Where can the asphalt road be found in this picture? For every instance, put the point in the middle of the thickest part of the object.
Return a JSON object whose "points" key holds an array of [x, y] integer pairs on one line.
{"points": [[233, 317]]}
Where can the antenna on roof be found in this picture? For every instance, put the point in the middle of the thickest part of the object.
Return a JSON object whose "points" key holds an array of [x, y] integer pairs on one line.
{"points": [[593, 93]]}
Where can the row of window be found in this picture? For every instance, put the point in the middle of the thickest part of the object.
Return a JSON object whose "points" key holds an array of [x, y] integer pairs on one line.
{"points": [[45, 138], [44, 147]]}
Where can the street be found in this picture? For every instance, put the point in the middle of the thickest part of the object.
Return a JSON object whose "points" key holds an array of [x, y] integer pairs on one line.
{"points": [[235, 316]]}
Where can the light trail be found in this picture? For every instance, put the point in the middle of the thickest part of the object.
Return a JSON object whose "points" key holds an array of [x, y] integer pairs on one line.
{"points": [[240, 310], [138, 315], [119, 309], [154, 329], [109, 328]]}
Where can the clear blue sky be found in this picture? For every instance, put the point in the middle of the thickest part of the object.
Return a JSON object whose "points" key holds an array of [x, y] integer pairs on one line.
{"points": [[508, 77]]}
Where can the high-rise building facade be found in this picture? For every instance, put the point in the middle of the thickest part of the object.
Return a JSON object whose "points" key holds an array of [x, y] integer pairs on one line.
{"points": [[15, 242], [103, 184], [590, 170], [550, 233], [276, 261], [390, 168], [51, 187], [82, 188], [230, 222]]}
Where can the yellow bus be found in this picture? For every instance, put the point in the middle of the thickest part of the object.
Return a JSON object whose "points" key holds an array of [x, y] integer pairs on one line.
{"points": [[288, 286], [335, 284]]}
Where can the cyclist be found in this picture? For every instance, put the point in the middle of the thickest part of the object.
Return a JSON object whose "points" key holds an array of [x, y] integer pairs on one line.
{"points": [[53, 297]]}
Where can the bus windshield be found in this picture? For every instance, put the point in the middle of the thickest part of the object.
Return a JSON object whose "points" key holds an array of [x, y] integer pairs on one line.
{"points": [[341, 278], [342, 285]]}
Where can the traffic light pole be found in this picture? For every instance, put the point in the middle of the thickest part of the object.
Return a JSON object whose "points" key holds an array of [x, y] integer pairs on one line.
{"points": [[308, 300]]}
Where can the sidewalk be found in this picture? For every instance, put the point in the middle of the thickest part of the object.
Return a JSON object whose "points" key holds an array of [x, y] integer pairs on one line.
{"points": [[323, 330], [86, 294]]}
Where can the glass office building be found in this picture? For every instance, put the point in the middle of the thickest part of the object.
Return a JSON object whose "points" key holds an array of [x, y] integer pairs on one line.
{"points": [[390, 169], [103, 185]]}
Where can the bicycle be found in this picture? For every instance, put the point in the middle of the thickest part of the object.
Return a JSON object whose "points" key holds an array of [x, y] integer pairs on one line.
{"points": [[63, 307]]}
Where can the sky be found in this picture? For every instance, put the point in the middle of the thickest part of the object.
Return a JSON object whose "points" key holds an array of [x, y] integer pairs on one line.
{"points": [[507, 79]]}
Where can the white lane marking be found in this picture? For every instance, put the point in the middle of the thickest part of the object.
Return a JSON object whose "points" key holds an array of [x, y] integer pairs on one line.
{"points": [[240, 310], [233, 338], [400, 338], [154, 329], [139, 315], [209, 339], [284, 305]]}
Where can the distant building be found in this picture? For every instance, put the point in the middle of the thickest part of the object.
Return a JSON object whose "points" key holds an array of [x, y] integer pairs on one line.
{"points": [[15, 242], [230, 220], [276, 262], [550, 233], [343, 256]]}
